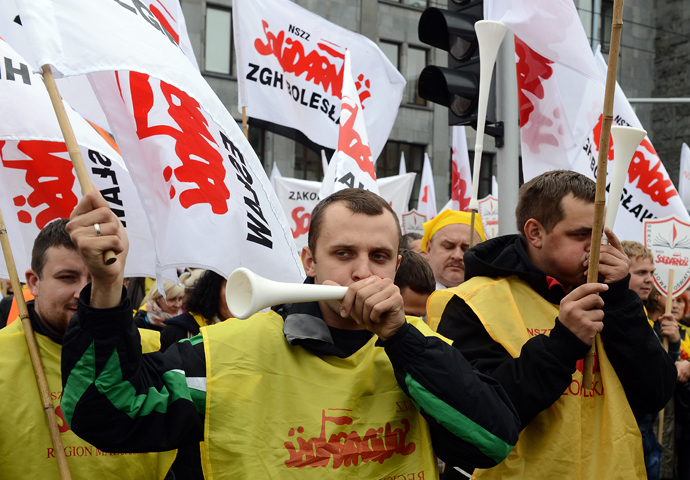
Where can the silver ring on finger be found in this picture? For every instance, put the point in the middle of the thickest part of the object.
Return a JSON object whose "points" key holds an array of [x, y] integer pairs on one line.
{"points": [[98, 229]]}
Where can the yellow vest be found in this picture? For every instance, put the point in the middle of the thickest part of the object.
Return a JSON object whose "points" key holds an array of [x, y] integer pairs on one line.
{"points": [[26, 450], [277, 411], [586, 434]]}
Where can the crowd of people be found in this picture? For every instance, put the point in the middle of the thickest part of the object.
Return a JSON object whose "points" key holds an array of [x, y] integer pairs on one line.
{"points": [[446, 346]]}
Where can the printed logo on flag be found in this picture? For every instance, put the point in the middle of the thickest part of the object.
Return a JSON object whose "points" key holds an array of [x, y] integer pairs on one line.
{"points": [[413, 221], [488, 210], [669, 241]]}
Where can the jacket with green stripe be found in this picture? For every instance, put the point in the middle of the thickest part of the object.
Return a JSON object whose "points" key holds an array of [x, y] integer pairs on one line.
{"points": [[121, 400]]}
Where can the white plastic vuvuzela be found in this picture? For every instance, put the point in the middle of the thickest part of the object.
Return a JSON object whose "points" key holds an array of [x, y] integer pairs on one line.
{"points": [[490, 35], [625, 143], [246, 293]]}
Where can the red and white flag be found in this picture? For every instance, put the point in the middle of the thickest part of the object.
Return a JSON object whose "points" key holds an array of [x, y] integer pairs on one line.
{"points": [[197, 176], [37, 181], [684, 176], [76, 89], [352, 165], [290, 72], [560, 91], [648, 191], [426, 204], [461, 192]]}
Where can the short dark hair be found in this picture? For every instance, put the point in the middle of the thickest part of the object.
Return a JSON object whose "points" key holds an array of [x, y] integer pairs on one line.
{"points": [[408, 238], [357, 200], [204, 295], [542, 197], [53, 235], [415, 272]]}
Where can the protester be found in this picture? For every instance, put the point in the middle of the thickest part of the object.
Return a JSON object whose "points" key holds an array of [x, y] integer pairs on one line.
{"points": [[155, 309], [412, 241], [641, 282], [446, 239], [205, 305], [526, 317], [682, 396], [675, 413], [304, 391], [415, 279], [56, 277]]}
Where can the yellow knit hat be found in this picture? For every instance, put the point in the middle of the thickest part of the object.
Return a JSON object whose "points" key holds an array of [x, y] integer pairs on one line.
{"points": [[449, 217]]}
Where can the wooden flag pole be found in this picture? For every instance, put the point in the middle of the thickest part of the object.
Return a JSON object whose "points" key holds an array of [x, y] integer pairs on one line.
{"points": [[600, 197], [71, 142], [245, 127], [669, 307], [39, 372]]}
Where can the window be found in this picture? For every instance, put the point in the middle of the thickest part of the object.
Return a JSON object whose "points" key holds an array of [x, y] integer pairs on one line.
{"points": [[307, 163], [392, 51], [413, 3], [606, 20], [487, 171], [218, 41], [257, 139], [389, 163], [416, 61]]}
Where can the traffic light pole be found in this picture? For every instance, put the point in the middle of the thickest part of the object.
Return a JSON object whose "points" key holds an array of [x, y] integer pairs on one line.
{"points": [[507, 157]]}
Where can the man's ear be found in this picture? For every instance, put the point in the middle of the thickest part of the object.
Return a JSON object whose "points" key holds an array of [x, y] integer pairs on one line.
{"points": [[32, 281], [534, 232], [397, 264], [308, 262]]}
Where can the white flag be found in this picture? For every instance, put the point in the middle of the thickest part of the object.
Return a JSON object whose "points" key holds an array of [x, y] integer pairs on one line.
{"points": [[461, 192], [353, 165], [494, 186], [560, 91], [299, 197], [403, 167], [324, 161], [37, 181], [76, 89], [275, 173], [426, 204], [684, 177], [196, 174], [648, 191], [289, 69]]}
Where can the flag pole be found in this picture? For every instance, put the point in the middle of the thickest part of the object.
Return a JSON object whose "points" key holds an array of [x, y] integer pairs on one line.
{"points": [[35, 356], [245, 127], [71, 142], [600, 196]]}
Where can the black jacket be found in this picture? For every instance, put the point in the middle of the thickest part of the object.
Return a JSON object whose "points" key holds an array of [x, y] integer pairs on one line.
{"points": [[542, 372]]}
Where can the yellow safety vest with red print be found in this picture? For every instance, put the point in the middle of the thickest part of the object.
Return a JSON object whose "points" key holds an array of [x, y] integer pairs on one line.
{"points": [[278, 411], [586, 434], [26, 449]]}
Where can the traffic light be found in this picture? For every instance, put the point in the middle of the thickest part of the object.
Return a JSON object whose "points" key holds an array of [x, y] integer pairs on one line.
{"points": [[457, 86]]}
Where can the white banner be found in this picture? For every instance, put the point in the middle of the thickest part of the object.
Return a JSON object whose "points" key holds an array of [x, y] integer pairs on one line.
{"points": [[461, 192], [196, 174], [426, 204], [299, 197], [38, 182], [289, 70], [648, 191], [684, 176], [669, 241]]}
